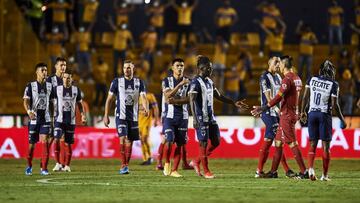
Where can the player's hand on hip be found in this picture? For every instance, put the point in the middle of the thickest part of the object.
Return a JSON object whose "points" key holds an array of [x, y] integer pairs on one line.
{"points": [[241, 105], [106, 121], [256, 111]]}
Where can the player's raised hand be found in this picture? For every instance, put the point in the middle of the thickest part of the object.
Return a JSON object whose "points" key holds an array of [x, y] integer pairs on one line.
{"points": [[185, 81], [257, 110], [241, 105], [303, 117], [106, 121]]}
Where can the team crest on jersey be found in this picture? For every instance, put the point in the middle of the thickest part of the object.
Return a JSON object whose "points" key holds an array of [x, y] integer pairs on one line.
{"points": [[284, 86]]}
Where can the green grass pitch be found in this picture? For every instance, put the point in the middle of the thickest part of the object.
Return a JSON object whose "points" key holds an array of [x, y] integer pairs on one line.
{"points": [[99, 181]]}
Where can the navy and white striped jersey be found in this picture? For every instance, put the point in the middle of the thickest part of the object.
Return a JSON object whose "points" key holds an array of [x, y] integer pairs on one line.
{"points": [[39, 96], [55, 80], [321, 91], [66, 99], [175, 111], [204, 103], [127, 97], [269, 82]]}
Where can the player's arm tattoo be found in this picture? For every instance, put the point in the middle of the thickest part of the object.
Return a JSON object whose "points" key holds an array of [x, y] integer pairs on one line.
{"points": [[81, 107], [305, 99], [192, 97], [222, 98], [27, 105]]}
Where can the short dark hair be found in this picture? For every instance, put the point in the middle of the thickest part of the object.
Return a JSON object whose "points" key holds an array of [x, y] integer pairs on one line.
{"points": [[180, 60], [287, 60], [202, 61], [39, 65], [69, 71], [60, 59], [128, 61]]}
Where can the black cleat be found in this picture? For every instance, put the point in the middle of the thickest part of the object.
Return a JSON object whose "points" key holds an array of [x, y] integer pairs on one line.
{"points": [[271, 174], [147, 162], [290, 173], [259, 174], [303, 175]]}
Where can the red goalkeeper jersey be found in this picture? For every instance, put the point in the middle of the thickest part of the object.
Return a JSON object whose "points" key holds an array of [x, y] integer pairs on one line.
{"points": [[288, 95]]}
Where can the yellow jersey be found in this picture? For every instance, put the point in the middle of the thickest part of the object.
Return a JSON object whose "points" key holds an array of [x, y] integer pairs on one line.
{"points": [[184, 15], [149, 41], [357, 16], [157, 16], [232, 81], [219, 54], [143, 120], [54, 45], [269, 17], [100, 73], [226, 16], [276, 42], [307, 43], [121, 39], [59, 11], [335, 13], [90, 9], [83, 40]]}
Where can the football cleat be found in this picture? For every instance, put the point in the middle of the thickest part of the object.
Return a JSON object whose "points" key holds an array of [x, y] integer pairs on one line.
{"points": [[159, 167], [271, 174], [304, 175], [259, 174], [67, 169], [28, 171], [325, 178], [44, 172], [312, 175], [124, 170], [167, 169], [209, 175], [196, 166], [58, 167], [146, 163], [290, 174], [175, 174]]}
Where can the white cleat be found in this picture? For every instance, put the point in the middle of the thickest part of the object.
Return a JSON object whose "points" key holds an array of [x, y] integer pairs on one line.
{"points": [[67, 169], [312, 175], [58, 167], [325, 178]]}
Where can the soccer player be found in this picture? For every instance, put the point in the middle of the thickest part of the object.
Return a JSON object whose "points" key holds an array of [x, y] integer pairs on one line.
{"points": [[322, 94], [126, 90], [288, 95], [37, 97], [67, 96], [175, 115], [201, 95], [145, 125], [270, 82], [56, 80]]}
